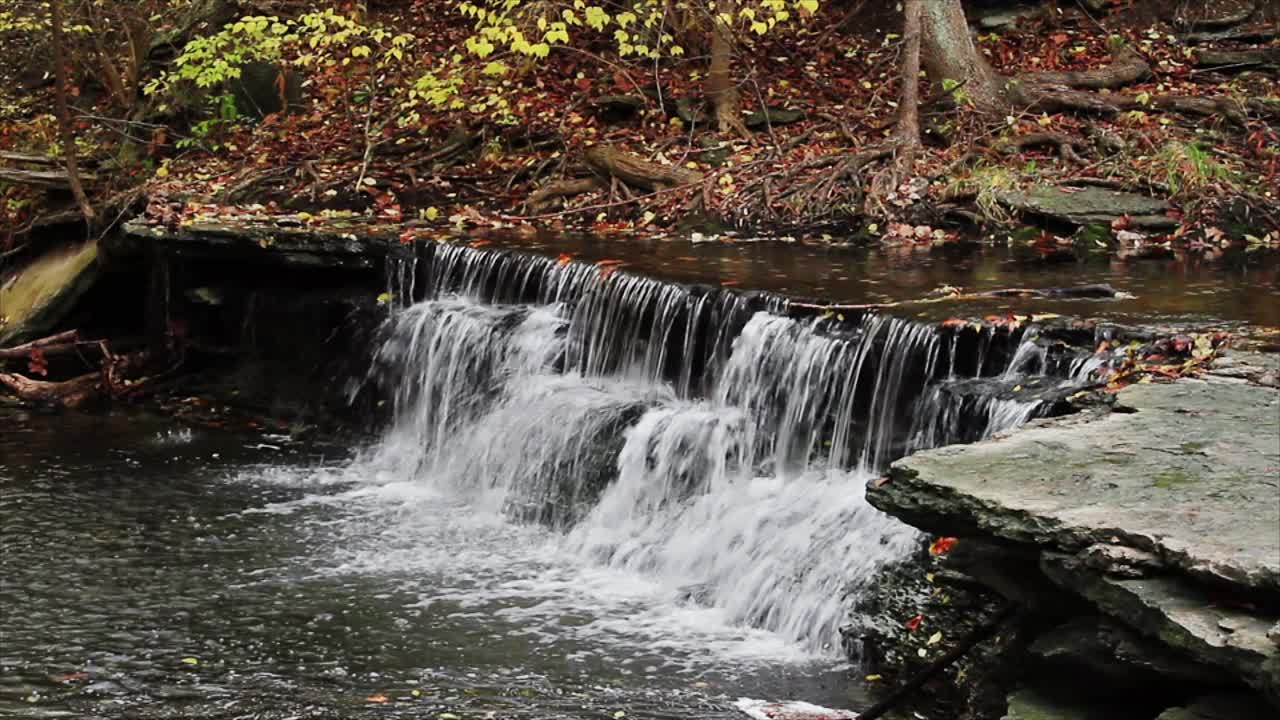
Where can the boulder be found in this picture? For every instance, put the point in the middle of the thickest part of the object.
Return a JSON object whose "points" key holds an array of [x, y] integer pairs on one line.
{"points": [[38, 295], [1091, 206], [1183, 474]]}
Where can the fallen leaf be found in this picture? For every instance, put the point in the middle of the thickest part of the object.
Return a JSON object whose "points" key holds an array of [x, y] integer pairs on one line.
{"points": [[942, 546], [914, 622]]}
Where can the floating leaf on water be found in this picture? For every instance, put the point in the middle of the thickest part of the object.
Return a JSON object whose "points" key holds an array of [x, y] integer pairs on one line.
{"points": [[190, 661], [619, 715], [378, 698], [914, 622], [872, 678], [384, 298], [934, 639]]}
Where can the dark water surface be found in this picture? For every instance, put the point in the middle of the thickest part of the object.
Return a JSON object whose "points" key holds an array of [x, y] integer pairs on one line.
{"points": [[149, 572], [1169, 286]]}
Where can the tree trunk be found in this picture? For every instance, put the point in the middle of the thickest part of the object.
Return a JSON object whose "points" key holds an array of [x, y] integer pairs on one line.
{"points": [[952, 59], [908, 132], [720, 88], [64, 114]]}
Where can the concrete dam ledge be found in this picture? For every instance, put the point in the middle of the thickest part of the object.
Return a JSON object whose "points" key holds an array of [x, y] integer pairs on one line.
{"points": [[1161, 515]]}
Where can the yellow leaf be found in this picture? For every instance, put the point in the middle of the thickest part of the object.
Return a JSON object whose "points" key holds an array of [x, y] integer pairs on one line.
{"points": [[383, 299], [190, 661], [432, 213]]}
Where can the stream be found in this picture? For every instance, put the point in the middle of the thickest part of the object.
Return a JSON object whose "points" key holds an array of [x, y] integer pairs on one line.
{"points": [[619, 498]]}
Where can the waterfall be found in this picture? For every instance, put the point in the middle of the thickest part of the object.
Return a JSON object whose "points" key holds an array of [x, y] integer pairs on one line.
{"points": [[695, 435]]}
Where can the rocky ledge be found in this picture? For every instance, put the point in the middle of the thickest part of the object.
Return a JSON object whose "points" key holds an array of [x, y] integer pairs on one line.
{"points": [[1153, 531]]}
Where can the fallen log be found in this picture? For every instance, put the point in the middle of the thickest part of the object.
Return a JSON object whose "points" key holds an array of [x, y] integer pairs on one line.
{"points": [[28, 159], [74, 393], [1243, 59], [609, 162], [53, 179], [562, 188]]}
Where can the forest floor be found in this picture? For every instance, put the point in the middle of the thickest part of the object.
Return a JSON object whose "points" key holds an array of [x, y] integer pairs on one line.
{"points": [[830, 89]]}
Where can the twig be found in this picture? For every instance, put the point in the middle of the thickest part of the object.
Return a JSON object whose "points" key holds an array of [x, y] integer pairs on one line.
{"points": [[967, 643]]}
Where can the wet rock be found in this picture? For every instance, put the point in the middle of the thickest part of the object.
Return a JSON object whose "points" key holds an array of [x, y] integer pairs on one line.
{"points": [[1091, 206], [37, 296], [1224, 706], [1183, 474], [1116, 660], [1027, 704], [1181, 615]]}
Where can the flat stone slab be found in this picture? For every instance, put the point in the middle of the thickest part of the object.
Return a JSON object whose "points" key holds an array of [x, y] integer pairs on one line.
{"points": [[1182, 616], [1090, 205], [1190, 475]]}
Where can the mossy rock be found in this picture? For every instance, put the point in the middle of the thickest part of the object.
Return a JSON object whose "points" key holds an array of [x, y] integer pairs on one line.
{"points": [[759, 120], [36, 297]]}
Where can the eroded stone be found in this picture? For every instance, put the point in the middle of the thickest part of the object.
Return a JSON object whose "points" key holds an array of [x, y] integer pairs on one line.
{"points": [[1191, 475]]}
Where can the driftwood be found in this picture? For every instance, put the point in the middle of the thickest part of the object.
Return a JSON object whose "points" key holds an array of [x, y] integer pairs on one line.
{"points": [[74, 393], [609, 162], [1094, 292]]}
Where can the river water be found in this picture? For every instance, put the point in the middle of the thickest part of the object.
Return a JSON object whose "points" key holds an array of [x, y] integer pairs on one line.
{"points": [[600, 496], [150, 571]]}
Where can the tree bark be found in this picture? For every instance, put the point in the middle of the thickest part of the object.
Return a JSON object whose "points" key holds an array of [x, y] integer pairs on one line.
{"points": [[68, 136], [609, 162], [950, 55], [720, 88], [908, 132]]}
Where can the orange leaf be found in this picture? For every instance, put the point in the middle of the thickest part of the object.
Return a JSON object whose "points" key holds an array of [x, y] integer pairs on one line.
{"points": [[607, 270], [942, 546], [378, 698], [479, 243], [564, 259], [954, 322]]}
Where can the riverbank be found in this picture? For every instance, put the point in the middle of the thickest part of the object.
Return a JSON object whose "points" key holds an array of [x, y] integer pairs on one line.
{"points": [[586, 145]]}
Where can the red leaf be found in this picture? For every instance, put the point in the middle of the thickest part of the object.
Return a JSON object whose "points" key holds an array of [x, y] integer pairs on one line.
{"points": [[942, 546], [37, 364], [914, 622]]}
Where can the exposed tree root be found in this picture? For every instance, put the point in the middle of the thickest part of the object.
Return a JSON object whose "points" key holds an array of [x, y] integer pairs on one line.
{"points": [[609, 162], [540, 198], [1128, 68], [1065, 146]]}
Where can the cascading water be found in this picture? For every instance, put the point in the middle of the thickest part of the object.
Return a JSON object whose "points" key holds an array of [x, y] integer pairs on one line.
{"points": [[696, 437]]}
